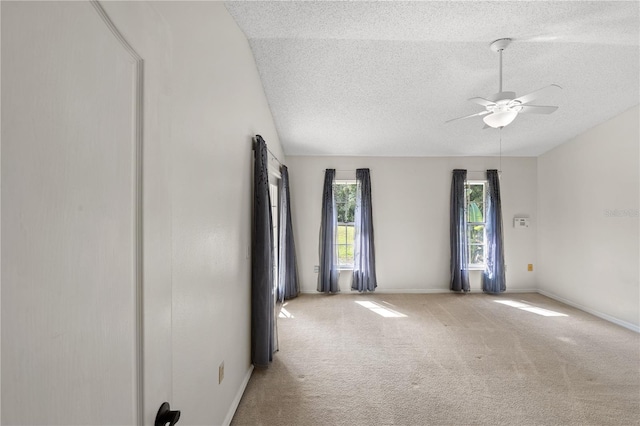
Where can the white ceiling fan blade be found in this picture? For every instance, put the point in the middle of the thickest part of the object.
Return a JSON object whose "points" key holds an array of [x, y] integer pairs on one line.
{"points": [[540, 92], [468, 116], [537, 109], [482, 101]]}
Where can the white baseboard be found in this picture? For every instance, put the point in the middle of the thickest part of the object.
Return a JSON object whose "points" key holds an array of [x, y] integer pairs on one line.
{"points": [[388, 291], [443, 290], [238, 397], [521, 290], [598, 314], [422, 291], [408, 290]]}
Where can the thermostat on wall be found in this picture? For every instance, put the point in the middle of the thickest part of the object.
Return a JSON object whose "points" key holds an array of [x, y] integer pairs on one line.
{"points": [[520, 222]]}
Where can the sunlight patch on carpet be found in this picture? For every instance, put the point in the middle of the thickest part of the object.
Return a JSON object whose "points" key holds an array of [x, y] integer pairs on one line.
{"points": [[284, 313], [381, 310], [533, 309]]}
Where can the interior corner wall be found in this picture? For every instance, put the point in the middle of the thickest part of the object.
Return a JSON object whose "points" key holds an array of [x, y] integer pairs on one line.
{"points": [[588, 233], [410, 198], [204, 103]]}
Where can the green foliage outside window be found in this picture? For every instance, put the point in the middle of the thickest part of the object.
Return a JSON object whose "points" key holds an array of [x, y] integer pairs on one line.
{"points": [[345, 237], [475, 197], [475, 223], [345, 198]]}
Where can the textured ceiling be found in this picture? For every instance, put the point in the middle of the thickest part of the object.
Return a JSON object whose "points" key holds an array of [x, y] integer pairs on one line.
{"points": [[381, 78]]}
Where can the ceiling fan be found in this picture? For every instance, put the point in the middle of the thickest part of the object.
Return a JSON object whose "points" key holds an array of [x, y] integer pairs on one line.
{"points": [[503, 107]]}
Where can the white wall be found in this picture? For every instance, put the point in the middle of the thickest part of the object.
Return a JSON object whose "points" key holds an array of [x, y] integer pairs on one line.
{"points": [[218, 104], [203, 101], [410, 199], [588, 193]]}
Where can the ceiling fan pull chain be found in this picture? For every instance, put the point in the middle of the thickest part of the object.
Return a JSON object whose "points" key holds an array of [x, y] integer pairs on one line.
{"points": [[500, 165]]}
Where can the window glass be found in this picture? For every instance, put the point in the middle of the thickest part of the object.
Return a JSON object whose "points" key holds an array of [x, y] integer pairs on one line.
{"points": [[476, 235], [345, 198]]}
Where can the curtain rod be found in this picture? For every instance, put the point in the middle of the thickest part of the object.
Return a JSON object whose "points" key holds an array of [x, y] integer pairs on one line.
{"points": [[273, 156]]}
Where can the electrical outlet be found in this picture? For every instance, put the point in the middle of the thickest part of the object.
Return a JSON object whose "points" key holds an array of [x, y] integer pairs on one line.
{"points": [[221, 372], [316, 268], [530, 267]]}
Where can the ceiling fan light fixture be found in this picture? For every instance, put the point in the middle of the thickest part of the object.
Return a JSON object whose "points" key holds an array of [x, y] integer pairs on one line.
{"points": [[503, 107], [500, 118]]}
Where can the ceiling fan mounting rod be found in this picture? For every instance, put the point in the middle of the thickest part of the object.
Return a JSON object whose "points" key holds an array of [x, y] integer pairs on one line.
{"points": [[500, 86], [498, 46]]}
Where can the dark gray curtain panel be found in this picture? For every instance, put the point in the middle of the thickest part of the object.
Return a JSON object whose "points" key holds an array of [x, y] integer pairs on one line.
{"points": [[364, 263], [328, 271], [262, 257], [493, 278], [458, 233], [287, 266]]}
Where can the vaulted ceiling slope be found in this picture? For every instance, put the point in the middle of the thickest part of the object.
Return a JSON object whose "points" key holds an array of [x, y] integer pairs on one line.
{"points": [[381, 78]]}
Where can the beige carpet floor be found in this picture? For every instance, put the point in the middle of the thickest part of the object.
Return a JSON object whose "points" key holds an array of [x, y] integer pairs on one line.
{"points": [[444, 359]]}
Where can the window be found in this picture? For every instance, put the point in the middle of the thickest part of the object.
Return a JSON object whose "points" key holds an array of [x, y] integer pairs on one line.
{"points": [[476, 230], [345, 197]]}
